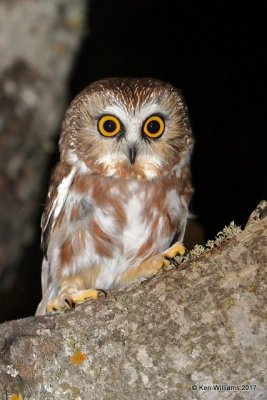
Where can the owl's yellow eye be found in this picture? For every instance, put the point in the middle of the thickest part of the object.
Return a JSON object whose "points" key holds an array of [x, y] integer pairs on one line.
{"points": [[109, 126], [154, 126]]}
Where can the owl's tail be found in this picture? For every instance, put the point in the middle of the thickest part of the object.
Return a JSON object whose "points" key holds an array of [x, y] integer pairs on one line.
{"points": [[49, 289], [49, 295]]}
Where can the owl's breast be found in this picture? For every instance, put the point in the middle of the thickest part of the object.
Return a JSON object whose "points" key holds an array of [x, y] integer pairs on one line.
{"points": [[110, 226], [133, 219], [153, 215]]}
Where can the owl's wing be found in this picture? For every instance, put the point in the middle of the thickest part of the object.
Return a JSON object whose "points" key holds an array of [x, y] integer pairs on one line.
{"points": [[61, 181]]}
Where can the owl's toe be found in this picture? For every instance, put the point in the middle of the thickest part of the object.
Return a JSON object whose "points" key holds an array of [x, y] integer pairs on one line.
{"points": [[174, 250], [68, 299], [57, 305], [82, 295], [170, 254]]}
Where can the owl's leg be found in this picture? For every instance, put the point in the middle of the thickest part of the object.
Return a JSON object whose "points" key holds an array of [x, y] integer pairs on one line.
{"points": [[72, 291], [152, 265]]}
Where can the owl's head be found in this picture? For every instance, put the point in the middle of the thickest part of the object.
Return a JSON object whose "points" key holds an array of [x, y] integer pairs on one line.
{"points": [[127, 128]]}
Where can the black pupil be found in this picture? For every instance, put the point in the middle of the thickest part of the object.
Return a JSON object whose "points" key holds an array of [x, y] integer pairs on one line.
{"points": [[110, 126], [153, 126]]}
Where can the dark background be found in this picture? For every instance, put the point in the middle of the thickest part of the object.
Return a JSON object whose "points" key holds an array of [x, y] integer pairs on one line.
{"points": [[216, 55]]}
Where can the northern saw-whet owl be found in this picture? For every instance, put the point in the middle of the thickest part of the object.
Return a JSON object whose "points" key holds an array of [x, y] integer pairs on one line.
{"points": [[120, 192]]}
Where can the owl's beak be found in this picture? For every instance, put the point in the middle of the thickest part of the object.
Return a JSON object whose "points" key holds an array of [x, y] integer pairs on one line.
{"points": [[132, 153]]}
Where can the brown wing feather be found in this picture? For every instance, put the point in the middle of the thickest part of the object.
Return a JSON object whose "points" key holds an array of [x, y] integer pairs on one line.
{"points": [[61, 171]]}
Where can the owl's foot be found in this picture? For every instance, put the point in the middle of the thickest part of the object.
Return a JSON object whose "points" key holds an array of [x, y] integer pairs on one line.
{"points": [[153, 265], [69, 298], [170, 254], [174, 250]]}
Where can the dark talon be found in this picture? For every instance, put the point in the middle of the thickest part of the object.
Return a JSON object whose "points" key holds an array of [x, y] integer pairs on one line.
{"points": [[69, 303], [173, 261], [102, 291]]}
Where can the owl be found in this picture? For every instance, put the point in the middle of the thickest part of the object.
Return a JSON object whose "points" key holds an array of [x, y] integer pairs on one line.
{"points": [[119, 196]]}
